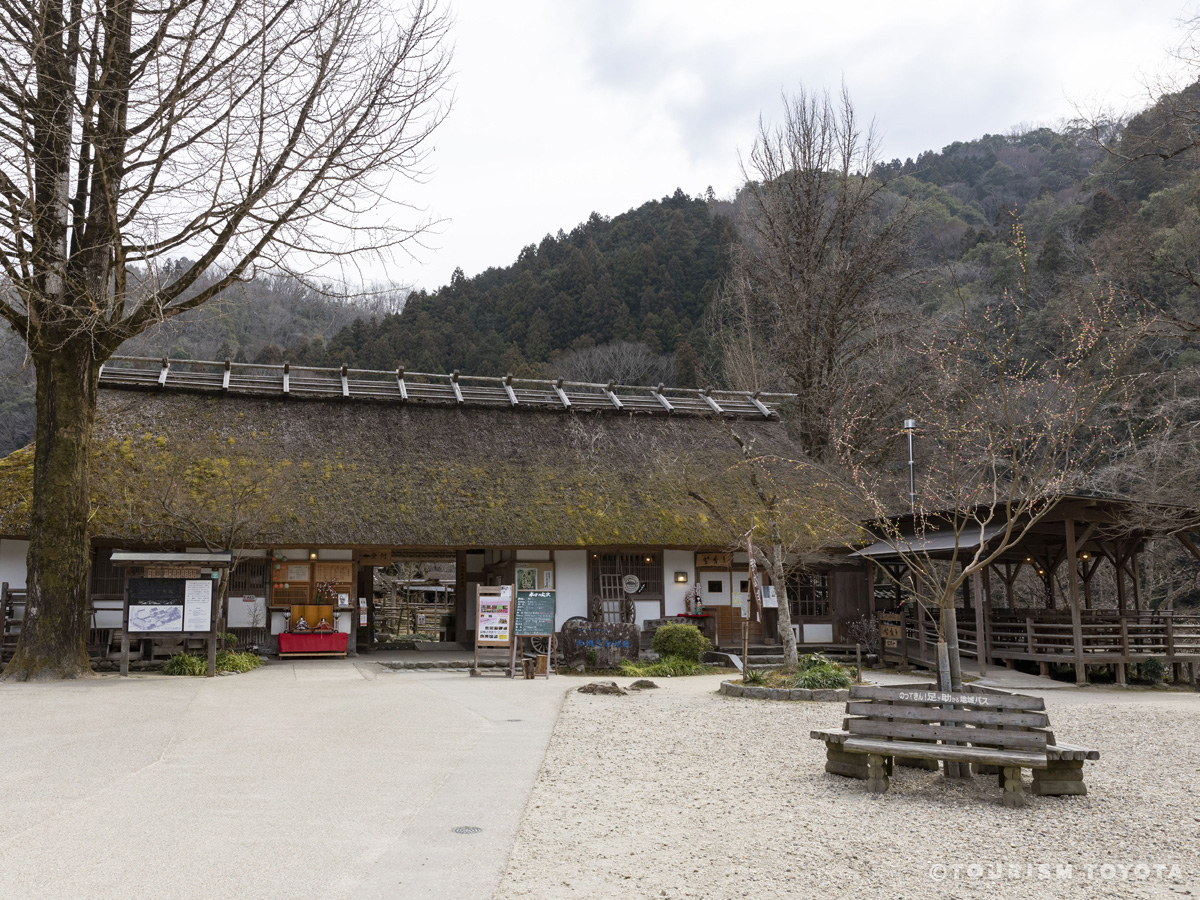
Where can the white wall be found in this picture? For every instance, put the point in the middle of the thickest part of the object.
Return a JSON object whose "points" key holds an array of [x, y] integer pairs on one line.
{"points": [[570, 578], [12, 562], [241, 613], [677, 561], [533, 555]]}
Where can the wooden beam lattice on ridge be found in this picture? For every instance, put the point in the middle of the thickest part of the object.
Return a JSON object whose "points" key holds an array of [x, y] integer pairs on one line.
{"points": [[252, 379]]}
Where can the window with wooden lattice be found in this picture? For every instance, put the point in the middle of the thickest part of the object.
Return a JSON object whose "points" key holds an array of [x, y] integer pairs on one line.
{"points": [[809, 595]]}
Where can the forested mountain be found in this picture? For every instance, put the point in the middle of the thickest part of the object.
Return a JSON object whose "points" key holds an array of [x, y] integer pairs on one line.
{"points": [[646, 276], [634, 294]]}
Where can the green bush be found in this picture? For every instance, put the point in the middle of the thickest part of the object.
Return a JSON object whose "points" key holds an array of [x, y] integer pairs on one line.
{"points": [[831, 675], [683, 641], [233, 661], [665, 667], [817, 672], [185, 664], [1153, 670], [754, 676], [227, 661]]}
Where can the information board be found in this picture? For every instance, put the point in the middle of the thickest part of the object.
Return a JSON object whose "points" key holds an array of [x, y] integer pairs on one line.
{"points": [[197, 605], [156, 604], [535, 613], [493, 623]]}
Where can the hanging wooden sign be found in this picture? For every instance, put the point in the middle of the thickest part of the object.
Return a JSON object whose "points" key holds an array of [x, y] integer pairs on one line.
{"points": [[714, 560]]}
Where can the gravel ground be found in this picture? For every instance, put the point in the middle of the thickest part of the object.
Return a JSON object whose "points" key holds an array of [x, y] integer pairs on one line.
{"points": [[683, 793]]}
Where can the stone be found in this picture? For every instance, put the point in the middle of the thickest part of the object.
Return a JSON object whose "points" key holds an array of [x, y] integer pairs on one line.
{"points": [[729, 689], [754, 693], [643, 684], [603, 687], [825, 695], [778, 694], [800, 694]]}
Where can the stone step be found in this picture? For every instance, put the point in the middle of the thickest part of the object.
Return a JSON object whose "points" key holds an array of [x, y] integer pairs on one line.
{"points": [[405, 665]]}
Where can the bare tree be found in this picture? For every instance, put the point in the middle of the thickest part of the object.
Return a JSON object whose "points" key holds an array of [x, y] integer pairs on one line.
{"points": [[623, 362], [797, 512], [1008, 427], [248, 136], [805, 306]]}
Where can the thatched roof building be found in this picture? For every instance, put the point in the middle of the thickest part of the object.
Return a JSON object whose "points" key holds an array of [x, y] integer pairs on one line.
{"points": [[335, 468], [627, 502]]}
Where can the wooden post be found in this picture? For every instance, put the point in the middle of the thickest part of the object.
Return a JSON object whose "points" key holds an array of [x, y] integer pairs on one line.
{"points": [[125, 631], [1135, 574], [1073, 587], [871, 590], [1118, 563], [980, 633], [215, 610], [1124, 650]]}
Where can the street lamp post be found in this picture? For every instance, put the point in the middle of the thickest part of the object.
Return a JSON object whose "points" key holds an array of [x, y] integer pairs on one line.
{"points": [[909, 426]]}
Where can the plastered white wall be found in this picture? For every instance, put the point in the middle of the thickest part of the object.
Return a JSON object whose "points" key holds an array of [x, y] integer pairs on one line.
{"points": [[533, 555], [12, 562], [570, 577], [677, 561]]}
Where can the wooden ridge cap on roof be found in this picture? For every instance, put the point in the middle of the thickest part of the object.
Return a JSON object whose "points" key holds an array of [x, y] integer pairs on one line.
{"points": [[399, 386]]}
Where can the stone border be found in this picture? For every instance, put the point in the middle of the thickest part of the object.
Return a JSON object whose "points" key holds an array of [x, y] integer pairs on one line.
{"points": [[751, 692]]}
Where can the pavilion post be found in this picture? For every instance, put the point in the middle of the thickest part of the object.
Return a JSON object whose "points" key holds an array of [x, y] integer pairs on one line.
{"points": [[1135, 576], [871, 590], [981, 645], [1119, 574], [1073, 588]]}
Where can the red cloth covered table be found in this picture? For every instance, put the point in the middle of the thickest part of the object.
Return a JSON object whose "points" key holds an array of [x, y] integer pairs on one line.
{"points": [[310, 644]]}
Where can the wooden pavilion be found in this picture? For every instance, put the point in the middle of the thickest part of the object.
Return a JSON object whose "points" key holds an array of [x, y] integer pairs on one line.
{"points": [[1067, 592]]}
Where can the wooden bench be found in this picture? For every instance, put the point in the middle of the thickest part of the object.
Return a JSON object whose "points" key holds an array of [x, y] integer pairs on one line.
{"points": [[994, 731]]}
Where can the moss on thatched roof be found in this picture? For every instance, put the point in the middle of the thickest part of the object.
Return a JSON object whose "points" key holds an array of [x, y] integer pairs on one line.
{"points": [[336, 473]]}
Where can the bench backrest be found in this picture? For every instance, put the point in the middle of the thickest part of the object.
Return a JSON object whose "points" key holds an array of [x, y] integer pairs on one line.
{"points": [[983, 718]]}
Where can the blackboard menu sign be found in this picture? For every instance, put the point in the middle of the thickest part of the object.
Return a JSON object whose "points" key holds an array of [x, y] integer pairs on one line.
{"points": [[535, 613]]}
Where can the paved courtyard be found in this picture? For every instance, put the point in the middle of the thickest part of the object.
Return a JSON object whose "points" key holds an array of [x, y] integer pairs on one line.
{"points": [[305, 779]]}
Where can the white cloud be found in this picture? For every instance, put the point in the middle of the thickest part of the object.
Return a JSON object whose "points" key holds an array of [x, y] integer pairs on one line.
{"points": [[566, 108]]}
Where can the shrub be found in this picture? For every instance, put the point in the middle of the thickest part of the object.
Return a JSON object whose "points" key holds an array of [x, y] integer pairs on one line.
{"points": [[227, 661], [1153, 670], [817, 672], [185, 664], [233, 661], [683, 641], [754, 676], [664, 667]]}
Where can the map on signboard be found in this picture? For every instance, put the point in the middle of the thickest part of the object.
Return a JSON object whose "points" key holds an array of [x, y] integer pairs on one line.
{"points": [[156, 618]]}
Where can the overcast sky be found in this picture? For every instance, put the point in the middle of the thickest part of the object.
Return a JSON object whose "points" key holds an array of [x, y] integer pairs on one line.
{"points": [[562, 108]]}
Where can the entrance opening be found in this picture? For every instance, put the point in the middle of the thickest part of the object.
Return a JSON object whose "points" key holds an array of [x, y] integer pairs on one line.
{"points": [[414, 600]]}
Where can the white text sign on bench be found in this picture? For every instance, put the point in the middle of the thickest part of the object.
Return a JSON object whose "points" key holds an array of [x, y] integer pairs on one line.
{"points": [[939, 697]]}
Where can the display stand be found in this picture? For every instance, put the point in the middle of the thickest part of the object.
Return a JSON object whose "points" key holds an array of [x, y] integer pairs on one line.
{"points": [[493, 620], [534, 617]]}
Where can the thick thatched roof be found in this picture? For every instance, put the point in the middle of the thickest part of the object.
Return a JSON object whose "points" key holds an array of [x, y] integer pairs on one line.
{"points": [[346, 472]]}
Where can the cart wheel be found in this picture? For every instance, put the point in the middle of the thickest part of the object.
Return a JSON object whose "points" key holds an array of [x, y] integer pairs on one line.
{"points": [[539, 646]]}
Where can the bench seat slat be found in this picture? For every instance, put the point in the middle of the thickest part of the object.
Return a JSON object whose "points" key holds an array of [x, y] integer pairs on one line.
{"points": [[972, 716], [980, 700], [833, 737], [918, 750], [1017, 740], [1071, 752]]}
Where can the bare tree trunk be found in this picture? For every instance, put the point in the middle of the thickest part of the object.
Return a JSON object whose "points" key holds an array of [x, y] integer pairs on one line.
{"points": [[791, 658], [53, 635], [949, 625]]}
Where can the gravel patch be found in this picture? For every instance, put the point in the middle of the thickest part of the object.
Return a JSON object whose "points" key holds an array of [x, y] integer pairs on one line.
{"points": [[684, 793]]}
